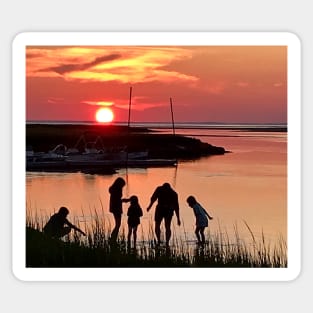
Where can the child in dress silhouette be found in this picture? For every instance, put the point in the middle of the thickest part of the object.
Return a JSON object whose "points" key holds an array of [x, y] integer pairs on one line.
{"points": [[134, 213]]}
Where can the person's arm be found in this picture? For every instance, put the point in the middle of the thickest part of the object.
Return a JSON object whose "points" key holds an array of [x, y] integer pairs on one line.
{"points": [[178, 217], [207, 214], [152, 200], [150, 205], [140, 211], [176, 209], [79, 230], [75, 227]]}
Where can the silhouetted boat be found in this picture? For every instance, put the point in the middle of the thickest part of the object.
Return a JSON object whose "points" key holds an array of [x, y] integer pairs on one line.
{"points": [[91, 160]]}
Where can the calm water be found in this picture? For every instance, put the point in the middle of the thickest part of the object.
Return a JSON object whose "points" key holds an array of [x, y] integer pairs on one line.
{"points": [[249, 184]]}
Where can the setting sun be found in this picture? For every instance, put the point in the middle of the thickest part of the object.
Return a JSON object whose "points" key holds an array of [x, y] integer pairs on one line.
{"points": [[104, 115]]}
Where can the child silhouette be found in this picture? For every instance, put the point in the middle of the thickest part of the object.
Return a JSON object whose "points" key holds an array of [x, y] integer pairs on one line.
{"points": [[201, 218], [134, 213]]}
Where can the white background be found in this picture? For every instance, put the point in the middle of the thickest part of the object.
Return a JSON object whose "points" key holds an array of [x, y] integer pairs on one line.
{"points": [[241, 15]]}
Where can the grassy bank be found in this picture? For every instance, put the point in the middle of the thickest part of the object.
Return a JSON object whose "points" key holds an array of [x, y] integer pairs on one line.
{"points": [[94, 250]]}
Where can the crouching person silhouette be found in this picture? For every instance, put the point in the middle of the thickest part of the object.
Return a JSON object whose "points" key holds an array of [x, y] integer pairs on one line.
{"points": [[59, 226]]}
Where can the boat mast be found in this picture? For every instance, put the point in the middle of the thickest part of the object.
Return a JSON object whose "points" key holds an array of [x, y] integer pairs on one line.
{"points": [[129, 105], [173, 125], [128, 129]]}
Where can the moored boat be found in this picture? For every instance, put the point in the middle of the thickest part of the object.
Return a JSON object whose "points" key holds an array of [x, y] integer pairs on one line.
{"points": [[91, 159]]}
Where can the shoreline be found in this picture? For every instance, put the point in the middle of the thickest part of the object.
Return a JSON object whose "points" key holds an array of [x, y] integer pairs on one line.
{"points": [[279, 127], [44, 251]]}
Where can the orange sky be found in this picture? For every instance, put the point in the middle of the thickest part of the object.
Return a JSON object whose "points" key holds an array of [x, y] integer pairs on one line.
{"points": [[244, 84]]}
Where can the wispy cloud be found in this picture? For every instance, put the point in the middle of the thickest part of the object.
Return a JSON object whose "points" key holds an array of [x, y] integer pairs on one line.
{"points": [[53, 100], [121, 64], [242, 84], [138, 103], [99, 103], [279, 84], [67, 68]]}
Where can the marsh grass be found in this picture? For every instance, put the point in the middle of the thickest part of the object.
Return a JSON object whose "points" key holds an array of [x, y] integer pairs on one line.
{"points": [[95, 250]]}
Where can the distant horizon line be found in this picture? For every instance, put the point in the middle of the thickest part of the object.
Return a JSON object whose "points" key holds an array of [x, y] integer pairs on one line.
{"points": [[157, 123]]}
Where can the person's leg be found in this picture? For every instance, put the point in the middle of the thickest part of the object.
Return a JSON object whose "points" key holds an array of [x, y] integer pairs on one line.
{"points": [[135, 235], [168, 231], [157, 229], [129, 234], [117, 219], [64, 231], [202, 235], [197, 234]]}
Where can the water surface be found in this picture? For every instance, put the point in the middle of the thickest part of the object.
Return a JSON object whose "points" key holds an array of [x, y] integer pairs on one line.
{"points": [[249, 184]]}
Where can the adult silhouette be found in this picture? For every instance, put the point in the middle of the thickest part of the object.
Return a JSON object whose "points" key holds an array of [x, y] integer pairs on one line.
{"points": [[59, 226], [167, 204], [116, 192]]}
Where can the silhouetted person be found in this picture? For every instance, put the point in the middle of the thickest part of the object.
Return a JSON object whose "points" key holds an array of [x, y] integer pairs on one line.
{"points": [[116, 192], [166, 206], [134, 213], [201, 218], [59, 226]]}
